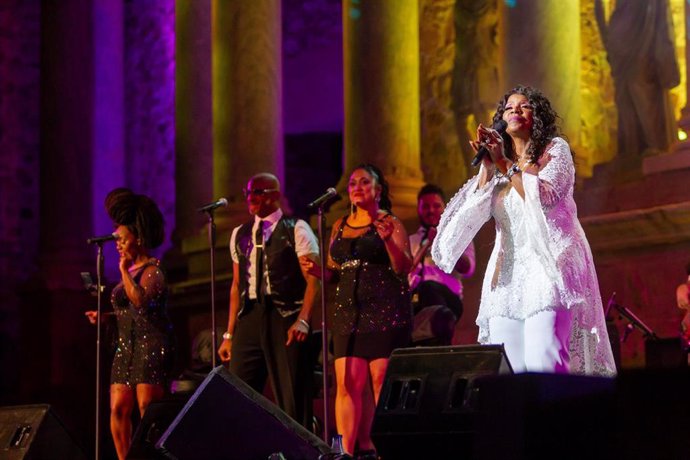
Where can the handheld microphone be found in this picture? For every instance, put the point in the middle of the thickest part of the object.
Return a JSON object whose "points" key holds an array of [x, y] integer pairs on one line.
{"points": [[499, 126], [102, 239], [330, 193], [211, 206]]}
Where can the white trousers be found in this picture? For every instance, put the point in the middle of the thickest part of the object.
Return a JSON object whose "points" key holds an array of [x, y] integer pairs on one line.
{"points": [[537, 344]]}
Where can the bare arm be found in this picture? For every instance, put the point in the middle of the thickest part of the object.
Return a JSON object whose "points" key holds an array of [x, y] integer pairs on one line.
{"points": [[151, 285], [297, 332], [312, 266], [225, 350], [394, 236], [683, 296]]}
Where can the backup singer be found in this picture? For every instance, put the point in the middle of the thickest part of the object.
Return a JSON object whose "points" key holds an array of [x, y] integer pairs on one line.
{"points": [[271, 301], [370, 250], [144, 354], [540, 295]]}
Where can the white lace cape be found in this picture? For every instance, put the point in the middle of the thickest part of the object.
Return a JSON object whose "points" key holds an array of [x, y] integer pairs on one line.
{"points": [[541, 259]]}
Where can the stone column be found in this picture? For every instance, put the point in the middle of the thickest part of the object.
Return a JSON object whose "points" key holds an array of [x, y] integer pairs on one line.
{"points": [[381, 92], [247, 98], [109, 152], [540, 47], [193, 115], [679, 156], [67, 130], [150, 102], [684, 122], [247, 115]]}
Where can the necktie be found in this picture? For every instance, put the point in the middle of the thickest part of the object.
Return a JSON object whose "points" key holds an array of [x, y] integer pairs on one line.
{"points": [[259, 274], [425, 239]]}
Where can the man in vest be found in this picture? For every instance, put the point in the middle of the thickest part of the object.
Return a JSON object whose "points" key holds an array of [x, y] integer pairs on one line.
{"points": [[271, 301]]}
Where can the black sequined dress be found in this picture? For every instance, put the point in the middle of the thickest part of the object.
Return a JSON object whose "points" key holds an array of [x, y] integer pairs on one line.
{"points": [[144, 350], [373, 313]]}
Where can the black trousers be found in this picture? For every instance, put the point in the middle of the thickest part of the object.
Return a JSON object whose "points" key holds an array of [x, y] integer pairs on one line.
{"points": [[433, 293], [259, 352], [435, 326]]}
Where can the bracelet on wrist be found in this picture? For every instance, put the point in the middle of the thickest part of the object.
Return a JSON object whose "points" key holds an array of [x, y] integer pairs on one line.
{"points": [[514, 169], [227, 336], [302, 326]]}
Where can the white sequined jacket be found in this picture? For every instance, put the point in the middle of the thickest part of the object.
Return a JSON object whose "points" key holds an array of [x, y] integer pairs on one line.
{"points": [[541, 259]]}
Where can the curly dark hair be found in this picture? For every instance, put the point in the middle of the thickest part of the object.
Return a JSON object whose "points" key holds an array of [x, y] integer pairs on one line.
{"points": [[138, 213], [384, 199], [544, 128]]}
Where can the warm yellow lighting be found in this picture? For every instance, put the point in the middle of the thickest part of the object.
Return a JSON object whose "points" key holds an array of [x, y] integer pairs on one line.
{"points": [[682, 135], [678, 94]]}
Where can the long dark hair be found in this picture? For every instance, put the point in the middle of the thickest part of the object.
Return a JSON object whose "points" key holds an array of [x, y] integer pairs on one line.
{"points": [[384, 198], [544, 128], [139, 214]]}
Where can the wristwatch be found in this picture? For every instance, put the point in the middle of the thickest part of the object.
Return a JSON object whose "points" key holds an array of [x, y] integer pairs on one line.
{"points": [[227, 336]]}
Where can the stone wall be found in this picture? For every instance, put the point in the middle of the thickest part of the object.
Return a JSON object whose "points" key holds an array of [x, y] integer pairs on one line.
{"points": [[19, 156], [150, 104]]}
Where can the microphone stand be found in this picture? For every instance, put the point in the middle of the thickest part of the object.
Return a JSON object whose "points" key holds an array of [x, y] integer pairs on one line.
{"points": [[99, 294], [324, 328], [212, 246], [634, 321]]}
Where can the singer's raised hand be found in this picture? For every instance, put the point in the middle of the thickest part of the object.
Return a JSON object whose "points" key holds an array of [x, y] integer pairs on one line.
{"points": [[384, 227], [493, 141], [124, 264]]}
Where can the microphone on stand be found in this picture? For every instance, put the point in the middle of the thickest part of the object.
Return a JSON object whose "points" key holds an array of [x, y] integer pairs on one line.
{"points": [[221, 202], [330, 193], [102, 239], [612, 302], [499, 126]]}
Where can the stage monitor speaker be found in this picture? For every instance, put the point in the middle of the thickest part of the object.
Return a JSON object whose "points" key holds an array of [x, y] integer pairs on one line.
{"points": [[666, 353], [158, 417], [652, 414], [534, 416], [225, 418], [428, 400], [33, 432]]}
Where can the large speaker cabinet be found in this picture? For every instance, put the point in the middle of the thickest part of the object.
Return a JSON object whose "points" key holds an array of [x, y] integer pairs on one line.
{"points": [[429, 398], [225, 418], [33, 432]]}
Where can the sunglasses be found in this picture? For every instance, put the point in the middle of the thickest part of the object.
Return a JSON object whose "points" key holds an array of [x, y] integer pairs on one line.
{"points": [[257, 191]]}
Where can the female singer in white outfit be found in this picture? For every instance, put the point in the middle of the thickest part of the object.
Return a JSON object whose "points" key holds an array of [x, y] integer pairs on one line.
{"points": [[540, 296]]}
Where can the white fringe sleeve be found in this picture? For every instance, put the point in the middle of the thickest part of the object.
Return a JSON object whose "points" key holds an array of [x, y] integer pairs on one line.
{"points": [[464, 215]]}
